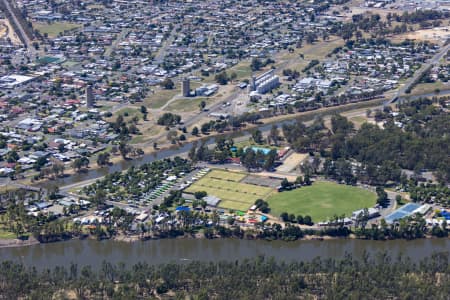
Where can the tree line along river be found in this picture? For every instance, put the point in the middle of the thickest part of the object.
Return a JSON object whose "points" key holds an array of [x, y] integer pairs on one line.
{"points": [[93, 253], [184, 149], [90, 252]]}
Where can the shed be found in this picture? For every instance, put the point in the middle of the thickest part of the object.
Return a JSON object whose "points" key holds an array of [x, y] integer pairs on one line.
{"points": [[42, 205], [212, 200]]}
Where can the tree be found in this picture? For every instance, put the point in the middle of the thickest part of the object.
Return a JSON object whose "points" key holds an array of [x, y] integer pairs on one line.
{"points": [[195, 131], [256, 64], [307, 180], [382, 198], [103, 159], [248, 159], [202, 105], [124, 149], [57, 168], [99, 197], [285, 183], [192, 154], [133, 129], [12, 156], [257, 136], [143, 110], [222, 78], [270, 159], [292, 218], [200, 194], [80, 163], [169, 119], [308, 220], [167, 84], [274, 135], [284, 217], [172, 136]]}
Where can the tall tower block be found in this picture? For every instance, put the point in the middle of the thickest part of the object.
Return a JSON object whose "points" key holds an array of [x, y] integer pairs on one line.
{"points": [[89, 97]]}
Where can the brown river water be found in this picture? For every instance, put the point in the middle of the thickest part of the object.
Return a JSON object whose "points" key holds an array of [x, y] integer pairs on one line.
{"points": [[91, 252]]}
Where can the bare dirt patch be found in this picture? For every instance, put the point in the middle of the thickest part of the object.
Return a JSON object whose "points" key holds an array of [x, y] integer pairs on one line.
{"points": [[8, 32]]}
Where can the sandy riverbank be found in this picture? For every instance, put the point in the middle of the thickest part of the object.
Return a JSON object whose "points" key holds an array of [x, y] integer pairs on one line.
{"points": [[11, 243]]}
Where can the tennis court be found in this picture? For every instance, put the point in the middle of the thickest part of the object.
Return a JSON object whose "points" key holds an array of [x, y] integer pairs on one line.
{"points": [[402, 212]]}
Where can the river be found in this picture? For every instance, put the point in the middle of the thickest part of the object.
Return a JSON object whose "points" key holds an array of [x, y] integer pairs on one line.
{"points": [[184, 149], [91, 252]]}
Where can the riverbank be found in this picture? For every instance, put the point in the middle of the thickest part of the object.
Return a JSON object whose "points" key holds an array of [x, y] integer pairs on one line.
{"points": [[137, 238], [119, 164], [14, 243]]}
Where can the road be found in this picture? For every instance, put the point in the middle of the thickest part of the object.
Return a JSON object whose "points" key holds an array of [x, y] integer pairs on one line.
{"points": [[118, 40], [25, 39], [159, 57], [433, 61]]}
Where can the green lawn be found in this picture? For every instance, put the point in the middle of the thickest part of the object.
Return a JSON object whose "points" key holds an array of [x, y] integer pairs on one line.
{"points": [[186, 104], [6, 235], [160, 97], [233, 194], [242, 70], [53, 29], [322, 200], [130, 111]]}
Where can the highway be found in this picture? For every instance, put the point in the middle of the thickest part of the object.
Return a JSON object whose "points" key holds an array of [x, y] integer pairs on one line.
{"points": [[408, 84], [24, 37]]}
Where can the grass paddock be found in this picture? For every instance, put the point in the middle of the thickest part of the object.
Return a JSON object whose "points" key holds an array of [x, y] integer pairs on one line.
{"points": [[322, 200], [227, 186]]}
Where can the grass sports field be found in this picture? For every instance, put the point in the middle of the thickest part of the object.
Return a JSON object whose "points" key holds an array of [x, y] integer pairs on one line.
{"points": [[227, 186], [55, 28], [322, 200]]}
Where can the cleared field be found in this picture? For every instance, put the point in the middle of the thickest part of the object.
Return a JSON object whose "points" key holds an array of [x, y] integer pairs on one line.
{"points": [[434, 87], [186, 104], [242, 70], [160, 97], [360, 120], [292, 162], [322, 200], [226, 186], [54, 29], [435, 35]]}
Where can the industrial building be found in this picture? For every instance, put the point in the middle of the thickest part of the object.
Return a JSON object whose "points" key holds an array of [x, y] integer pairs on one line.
{"points": [[265, 82], [186, 87], [206, 90], [89, 97], [14, 81]]}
